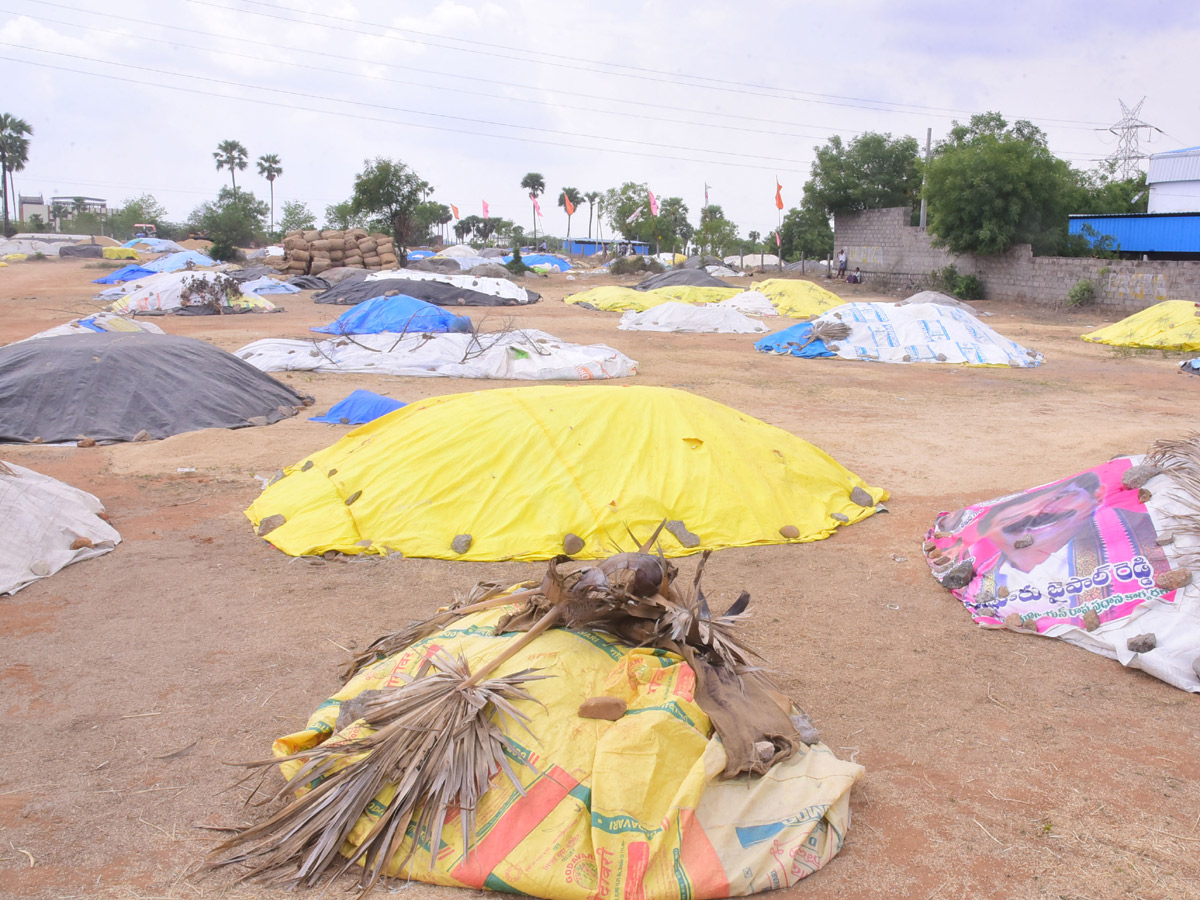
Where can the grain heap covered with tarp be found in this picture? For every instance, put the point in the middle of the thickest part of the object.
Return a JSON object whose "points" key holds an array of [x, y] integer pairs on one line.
{"points": [[527, 473], [1170, 325], [797, 298], [432, 287], [312, 252], [604, 735], [47, 525], [186, 292], [129, 387], [1104, 559]]}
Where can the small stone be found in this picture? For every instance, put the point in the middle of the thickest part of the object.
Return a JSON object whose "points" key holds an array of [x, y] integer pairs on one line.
{"points": [[1142, 643], [764, 750], [87, 442], [1013, 621], [40, 440], [353, 497], [1030, 624], [941, 560], [928, 546], [330, 554], [941, 357], [364, 543], [1144, 495], [1091, 621], [839, 517], [307, 465], [461, 543], [1002, 592], [257, 420], [1136, 476], [40, 567], [1024, 541], [332, 472], [791, 532], [572, 544], [609, 708], [685, 537], [103, 515], [81, 543], [861, 497], [270, 523], [1164, 539], [832, 348], [941, 535], [278, 476], [1172, 579], [958, 575], [806, 729], [906, 358], [344, 421], [142, 435]]}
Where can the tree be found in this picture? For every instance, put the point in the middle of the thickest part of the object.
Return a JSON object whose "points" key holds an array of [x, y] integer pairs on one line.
{"points": [[874, 171], [990, 186], [230, 155], [572, 194], [144, 209], [716, 234], [296, 217], [535, 184], [390, 191], [591, 197], [235, 220], [428, 214], [269, 168], [341, 216], [671, 223], [806, 230], [465, 227], [14, 153], [1102, 193]]}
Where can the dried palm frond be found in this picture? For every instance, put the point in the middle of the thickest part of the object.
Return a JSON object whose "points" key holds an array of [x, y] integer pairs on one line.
{"points": [[1181, 460], [434, 743], [5, 470], [830, 330]]}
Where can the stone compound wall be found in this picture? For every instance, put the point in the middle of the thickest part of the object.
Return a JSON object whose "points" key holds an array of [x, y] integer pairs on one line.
{"points": [[899, 257]]}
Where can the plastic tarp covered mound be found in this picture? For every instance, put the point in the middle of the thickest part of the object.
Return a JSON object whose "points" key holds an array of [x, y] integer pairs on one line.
{"points": [[543, 261], [751, 303], [168, 292], [264, 284], [930, 332], [1100, 559], [1190, 366], [395, 314], [443, 290], [1170, 325], [632, 808], [612, 298], [358, 408], [118, 253], [85, 251], [680, 277], [509, 474], [47, 525], [180, 260], [750, 260], [125, 273], [684, 317], [795, 341], [99, 324], [936, 297], [112, 387], [798, 298], [525, 355], [154, 245], [684, 293]]}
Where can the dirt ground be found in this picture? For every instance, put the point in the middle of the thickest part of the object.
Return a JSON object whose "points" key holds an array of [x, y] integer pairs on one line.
{"points": [[998, 765]]}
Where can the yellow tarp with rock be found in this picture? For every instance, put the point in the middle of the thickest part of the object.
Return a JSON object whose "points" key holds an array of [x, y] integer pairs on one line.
{"points": [[513, 472], [797, 298], [120, 253], [624, 810], [1170, 325]]}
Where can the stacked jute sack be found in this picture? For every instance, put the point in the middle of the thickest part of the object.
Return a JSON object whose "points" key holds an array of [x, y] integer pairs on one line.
{"points": [[312, 252]]}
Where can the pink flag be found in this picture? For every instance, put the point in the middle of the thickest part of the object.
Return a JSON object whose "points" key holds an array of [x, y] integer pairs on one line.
{"points": [[653, 204], [454, 209], [537, 207], [485, 209], [778, 242], [706, 193]]}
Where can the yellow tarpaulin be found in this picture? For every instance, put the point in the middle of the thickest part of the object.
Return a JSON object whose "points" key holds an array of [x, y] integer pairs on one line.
{"points": [[521, 468], [16, 257], [624, 810], [1170, 325], [612, 298], [797, 298], [120, 253]]}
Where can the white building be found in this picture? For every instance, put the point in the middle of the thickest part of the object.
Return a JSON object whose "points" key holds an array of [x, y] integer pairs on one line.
{"points": [[1174, 181]]}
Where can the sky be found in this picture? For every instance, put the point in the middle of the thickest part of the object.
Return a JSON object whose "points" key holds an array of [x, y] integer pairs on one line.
{"points": [[134, 98]]}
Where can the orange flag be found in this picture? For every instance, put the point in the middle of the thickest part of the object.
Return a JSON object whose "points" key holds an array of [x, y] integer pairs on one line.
{"points": [[778, 194], [570, 207], [454, 209]]}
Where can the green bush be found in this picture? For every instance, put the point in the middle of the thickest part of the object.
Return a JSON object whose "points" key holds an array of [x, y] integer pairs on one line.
{"points": [[224, 251], [516, 265], [1082, 293], [964, 287], [635, 265]]}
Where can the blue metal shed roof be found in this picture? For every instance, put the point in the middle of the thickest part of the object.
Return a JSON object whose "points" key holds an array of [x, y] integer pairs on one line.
{"points": [[1146, 233]]}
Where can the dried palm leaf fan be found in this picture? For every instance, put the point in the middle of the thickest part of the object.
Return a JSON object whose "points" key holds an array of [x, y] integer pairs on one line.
{"points": [[439, 737], [827, 330]]}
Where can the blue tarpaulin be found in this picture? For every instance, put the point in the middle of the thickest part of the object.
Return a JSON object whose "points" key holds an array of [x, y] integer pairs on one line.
{"points": [[177, 261], [125, 273], [541, 259], [420, 254], [358, 408], [399, 314], [154, 245], [793, 340], [1191, 366]]}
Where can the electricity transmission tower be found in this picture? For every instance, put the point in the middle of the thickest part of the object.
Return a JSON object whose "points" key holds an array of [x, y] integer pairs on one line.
{"points": [[1127, 155]]}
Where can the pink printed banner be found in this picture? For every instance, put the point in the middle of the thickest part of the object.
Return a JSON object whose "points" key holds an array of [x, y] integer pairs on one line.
{"points": [[1057, 554]]}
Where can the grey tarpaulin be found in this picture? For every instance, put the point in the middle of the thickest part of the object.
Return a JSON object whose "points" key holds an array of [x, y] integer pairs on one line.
{"points": [[82, 251], [110, 387], [676, 277], [349, 294]]}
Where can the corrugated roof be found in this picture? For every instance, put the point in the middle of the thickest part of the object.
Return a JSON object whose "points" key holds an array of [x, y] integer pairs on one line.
{"points": [[1178, 165], [1146, 233]]}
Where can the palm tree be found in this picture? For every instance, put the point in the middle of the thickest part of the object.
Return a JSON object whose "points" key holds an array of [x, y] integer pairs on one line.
{"points": [[572, 194], [269, 168], [230, 155], [591, 197], [536, 185], [14, 153]]}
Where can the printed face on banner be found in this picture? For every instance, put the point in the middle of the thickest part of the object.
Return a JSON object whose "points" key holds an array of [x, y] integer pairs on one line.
{"points": [[1052, 553]]}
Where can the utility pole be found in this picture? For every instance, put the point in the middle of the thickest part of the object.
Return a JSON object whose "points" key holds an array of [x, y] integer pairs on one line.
{"points": [[928, 139]]}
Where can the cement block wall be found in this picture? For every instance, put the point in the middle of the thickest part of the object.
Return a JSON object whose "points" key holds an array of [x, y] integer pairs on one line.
{"points": [[899, 257]]}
